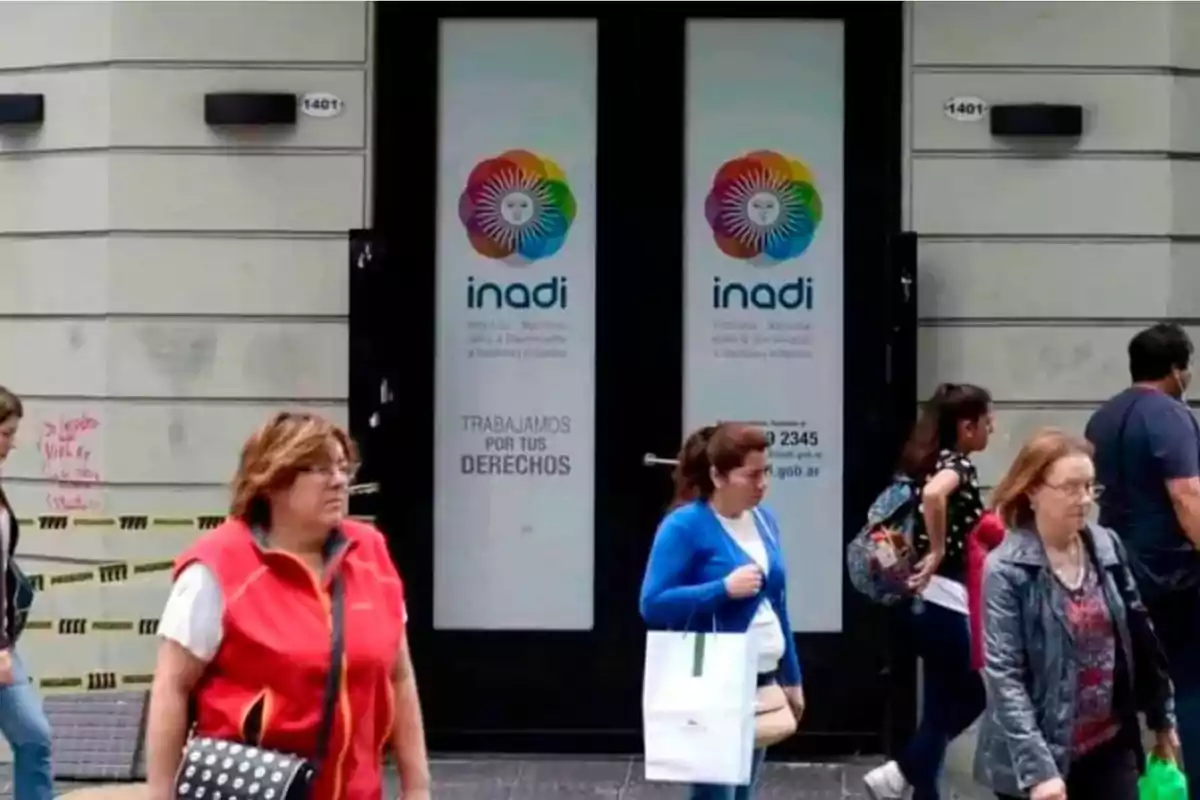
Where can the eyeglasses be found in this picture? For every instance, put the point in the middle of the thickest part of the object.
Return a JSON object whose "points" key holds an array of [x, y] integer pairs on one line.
{"points": [[331, 471], [1092, 490]]}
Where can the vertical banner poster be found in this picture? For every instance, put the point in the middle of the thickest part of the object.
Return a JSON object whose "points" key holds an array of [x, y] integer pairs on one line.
{"points": [[763, 311], [514, 492]]}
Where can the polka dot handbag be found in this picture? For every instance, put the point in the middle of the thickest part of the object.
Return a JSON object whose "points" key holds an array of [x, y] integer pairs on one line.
{"points": [[216, 769]]}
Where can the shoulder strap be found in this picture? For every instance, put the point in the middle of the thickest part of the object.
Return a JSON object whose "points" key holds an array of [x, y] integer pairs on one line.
{"points": [[333, 680], [1124, 580]]}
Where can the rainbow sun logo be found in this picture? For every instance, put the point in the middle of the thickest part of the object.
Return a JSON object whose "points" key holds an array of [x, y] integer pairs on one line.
{"points": [[517, 207], [763, 208]]}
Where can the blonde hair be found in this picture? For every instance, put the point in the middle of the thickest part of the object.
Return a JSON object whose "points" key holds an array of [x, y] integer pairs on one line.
{"points": [[283, 447], [1041, 451]]}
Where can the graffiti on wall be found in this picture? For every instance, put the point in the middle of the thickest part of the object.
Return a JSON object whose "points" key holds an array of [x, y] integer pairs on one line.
{"points": [[67, 449]]}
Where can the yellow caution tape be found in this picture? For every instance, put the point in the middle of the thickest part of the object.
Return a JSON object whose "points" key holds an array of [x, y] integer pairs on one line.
{"points": [[132, 522], [82, 626], [106, 574], [117, 572], [126, 522], [100, 681]]}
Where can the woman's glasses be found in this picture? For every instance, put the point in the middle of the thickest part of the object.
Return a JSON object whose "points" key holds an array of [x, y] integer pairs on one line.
{"points": [[331, 471], [1078, 489]]}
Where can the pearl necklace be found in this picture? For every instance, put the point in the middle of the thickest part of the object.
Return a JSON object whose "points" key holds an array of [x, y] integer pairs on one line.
{"points": [[1075, 554]]}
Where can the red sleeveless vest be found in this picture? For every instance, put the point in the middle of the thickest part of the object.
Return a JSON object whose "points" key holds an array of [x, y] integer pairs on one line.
{"points": [[267, 680]]}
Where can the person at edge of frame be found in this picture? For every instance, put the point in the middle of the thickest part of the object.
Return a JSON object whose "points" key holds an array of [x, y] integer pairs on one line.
{"points": [[23, 720], [1148, 459]]}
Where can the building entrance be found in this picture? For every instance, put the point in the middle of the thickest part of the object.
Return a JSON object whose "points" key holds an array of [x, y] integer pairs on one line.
{"points": [[593, 232]]}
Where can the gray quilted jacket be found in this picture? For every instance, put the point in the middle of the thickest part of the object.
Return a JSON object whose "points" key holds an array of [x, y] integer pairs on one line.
{"points": [[1030, 668]]}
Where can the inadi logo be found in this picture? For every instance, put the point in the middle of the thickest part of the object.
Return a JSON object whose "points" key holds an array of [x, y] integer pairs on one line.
{"points": [[517, 209], [763, 208], [490, 295], [791, 296]]}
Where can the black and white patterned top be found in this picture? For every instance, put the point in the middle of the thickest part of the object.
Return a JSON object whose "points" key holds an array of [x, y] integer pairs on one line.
{"points": [[963, 510]]}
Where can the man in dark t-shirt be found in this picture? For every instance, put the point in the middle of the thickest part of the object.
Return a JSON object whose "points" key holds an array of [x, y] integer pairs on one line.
{"points": [[1148, 459], [1137, 467]]}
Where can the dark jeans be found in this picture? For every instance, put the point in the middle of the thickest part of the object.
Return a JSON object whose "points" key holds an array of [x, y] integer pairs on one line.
{"points": [[710, 791], [1176, 619], [1110, 772], [952, 694]]}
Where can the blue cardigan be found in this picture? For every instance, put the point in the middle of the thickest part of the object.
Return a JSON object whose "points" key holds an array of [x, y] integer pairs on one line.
{"points": [[684, 585]]}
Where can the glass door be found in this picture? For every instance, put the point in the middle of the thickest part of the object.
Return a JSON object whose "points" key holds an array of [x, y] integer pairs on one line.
{"points": [[600, 230]]}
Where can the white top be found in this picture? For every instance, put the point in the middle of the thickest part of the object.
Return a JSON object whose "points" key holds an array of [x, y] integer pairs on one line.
{"points": [[193, 614], [765, 628], [946, 593], [5, 539], [5, 529]]}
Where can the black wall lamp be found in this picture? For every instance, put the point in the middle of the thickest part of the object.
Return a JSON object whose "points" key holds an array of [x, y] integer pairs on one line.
{"points": [[1037, 120], [250, 108], [22, 109]]}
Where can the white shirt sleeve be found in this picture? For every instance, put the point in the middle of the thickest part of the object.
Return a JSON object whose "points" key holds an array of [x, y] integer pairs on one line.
{"points": [[192, 617]]}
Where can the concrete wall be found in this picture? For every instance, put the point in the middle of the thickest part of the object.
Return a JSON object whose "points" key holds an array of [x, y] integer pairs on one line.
{"points": [[1039, 261], [163, 285]]}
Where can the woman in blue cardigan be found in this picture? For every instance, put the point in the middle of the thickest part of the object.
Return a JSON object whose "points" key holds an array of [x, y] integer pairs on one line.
{"points": [[716, 563]]}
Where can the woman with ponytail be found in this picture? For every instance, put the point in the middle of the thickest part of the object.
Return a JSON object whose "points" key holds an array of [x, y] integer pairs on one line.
{"points": [[955, 424], [716, 564]]}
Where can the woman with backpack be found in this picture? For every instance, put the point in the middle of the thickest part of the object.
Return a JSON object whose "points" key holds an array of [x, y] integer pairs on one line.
{"points": [[955, 424]]}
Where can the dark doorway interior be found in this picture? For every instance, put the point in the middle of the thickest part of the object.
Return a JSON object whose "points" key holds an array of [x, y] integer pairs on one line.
{"points": [[580, 692]]}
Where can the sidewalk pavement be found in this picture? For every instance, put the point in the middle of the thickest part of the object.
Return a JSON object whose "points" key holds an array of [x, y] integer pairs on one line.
{"points": [[544, 779], [89, 745], [499, 778]]}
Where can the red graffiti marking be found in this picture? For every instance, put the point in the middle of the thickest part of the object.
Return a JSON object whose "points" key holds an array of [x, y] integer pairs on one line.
{"points": [[66, 503], [67, 451]]}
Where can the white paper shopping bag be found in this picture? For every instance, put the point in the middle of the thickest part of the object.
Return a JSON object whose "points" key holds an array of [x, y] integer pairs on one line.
{"points": [[698, 707]]}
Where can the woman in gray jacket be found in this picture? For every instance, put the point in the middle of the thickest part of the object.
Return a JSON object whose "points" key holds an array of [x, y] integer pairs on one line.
{"points": [[1070, 655]]}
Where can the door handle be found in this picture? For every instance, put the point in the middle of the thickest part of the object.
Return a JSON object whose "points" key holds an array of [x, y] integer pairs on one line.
{"points": [[651, 460]]}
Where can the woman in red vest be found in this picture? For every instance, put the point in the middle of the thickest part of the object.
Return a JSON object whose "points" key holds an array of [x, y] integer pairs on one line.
{"points": [[246, 634]]}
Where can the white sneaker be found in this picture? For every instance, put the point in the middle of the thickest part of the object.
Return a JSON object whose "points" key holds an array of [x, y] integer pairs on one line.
{"points": [[886, 782]]}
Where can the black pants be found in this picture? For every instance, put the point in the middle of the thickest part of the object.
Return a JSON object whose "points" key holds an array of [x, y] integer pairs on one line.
{"points": [[1176, 619], [953, 695], [1110, 772]]}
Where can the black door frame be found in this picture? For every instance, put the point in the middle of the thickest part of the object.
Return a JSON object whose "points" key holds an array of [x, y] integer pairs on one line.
{"points": [[580, 692]]}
